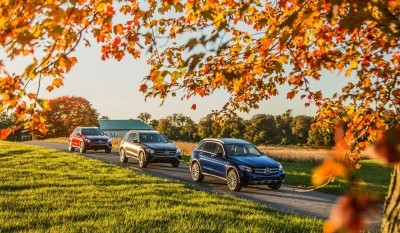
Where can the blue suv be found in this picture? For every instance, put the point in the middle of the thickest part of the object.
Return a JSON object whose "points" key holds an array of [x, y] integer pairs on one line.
{"points": [[237, 161]]}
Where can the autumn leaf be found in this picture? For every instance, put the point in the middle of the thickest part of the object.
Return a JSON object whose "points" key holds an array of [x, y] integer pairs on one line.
{"points": [[143, 88], [193, 106], [347, 214], [4, 133], [387, 148], [57, 82], [328, 171]]}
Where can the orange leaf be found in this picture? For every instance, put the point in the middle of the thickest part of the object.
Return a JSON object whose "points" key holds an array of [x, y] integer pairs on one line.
{"points": [[50, 88], [347, 214], [4, 133], [58, 82], [387, 148], [193, 106], [328, 170]]}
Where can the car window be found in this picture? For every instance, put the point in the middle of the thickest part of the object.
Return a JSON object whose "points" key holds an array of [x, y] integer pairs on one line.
{"points": [[91, 132], [242, 150], [135, 136], [153, 138], [200, 146], [218, 149], [208, 147], [126, 138]]}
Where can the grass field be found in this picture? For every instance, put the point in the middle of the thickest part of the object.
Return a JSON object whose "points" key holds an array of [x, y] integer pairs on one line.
{"points": [[48, 190], [299, 162], [374, 177]]}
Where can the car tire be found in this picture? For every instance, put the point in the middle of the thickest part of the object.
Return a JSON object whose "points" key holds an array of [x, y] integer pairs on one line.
{"points": [[70, 147], [232, 180], [122, 156], [175, 164], [142, 160], [275, 186], [82, 148], [108, 150], [195, 172]]}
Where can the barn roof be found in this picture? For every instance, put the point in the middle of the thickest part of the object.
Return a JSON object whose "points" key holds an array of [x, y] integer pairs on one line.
{"points": [[124, 125]]}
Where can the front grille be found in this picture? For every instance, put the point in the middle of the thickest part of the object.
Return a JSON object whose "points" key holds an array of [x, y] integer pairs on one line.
{"points": [[165, 152], [99, 141], [267, 170]]}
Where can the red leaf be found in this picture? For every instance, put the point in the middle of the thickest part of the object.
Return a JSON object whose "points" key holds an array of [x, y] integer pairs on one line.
{"points": [[193, 106], [143, 88], [387, 148], [4, 133]]}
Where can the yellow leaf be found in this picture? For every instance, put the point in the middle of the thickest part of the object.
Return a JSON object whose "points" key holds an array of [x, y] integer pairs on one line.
{"points": [[283, 59], [58, 82], [354, 64], [258, 70], [348, 72]]}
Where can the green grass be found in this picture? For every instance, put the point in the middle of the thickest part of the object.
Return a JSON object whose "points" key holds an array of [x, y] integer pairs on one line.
{"points": [[374, 177], [44, 190]]}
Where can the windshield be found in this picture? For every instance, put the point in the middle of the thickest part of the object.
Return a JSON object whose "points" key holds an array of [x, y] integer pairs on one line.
{"points": [[91, 132], [242, 150], [153, 138]]}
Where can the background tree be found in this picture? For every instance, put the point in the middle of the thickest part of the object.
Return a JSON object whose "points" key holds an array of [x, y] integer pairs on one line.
{"points": [[301, 125], [68, 112], [261, 129], [104, 118], [283, 126], [145, 117], [208, 127], [232, 127], [154, 123], [320, 137], [178, 127]]}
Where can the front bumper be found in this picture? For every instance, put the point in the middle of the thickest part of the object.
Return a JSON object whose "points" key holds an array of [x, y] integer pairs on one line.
{"points": [[97, 146], [152, 158], [255, 178]]}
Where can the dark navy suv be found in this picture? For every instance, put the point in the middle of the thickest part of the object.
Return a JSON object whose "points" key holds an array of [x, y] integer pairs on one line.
{"points": [[237, 161]]}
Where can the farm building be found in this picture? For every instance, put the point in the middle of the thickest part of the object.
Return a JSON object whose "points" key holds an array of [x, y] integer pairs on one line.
{"points": [[118, 128]]}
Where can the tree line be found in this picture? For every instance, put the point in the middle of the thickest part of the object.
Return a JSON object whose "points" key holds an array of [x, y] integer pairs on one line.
{"points": [[284, 129], [67, 112]]}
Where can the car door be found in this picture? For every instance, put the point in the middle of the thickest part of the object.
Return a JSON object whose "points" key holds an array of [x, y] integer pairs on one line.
{"points": [[135, 145], [218, 163], [205, 157], [129, 144], [76, 139]]}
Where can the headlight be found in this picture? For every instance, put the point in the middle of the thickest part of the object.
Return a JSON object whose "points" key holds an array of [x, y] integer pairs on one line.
{"points": [[150, 151], [178, 151], [245, 169], [87, 140], [280, 167], [109, 140]]}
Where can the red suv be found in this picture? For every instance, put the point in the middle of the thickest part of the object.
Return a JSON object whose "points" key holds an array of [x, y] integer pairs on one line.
{"points": [[89, 138]]}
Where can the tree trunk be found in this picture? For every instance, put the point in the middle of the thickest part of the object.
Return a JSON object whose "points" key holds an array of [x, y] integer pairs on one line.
{"points": [[391, 216]]}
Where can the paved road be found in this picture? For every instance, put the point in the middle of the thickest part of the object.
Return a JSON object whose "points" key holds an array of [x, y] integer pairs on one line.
{"points": [[287, 199]]}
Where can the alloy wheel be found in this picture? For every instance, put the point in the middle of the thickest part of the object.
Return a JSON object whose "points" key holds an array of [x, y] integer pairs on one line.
{"points": [[195, 171]]}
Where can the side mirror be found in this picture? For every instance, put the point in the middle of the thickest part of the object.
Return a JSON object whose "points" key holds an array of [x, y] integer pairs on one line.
{"points": [[135, 141], [78, 134], [220, 154]]}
